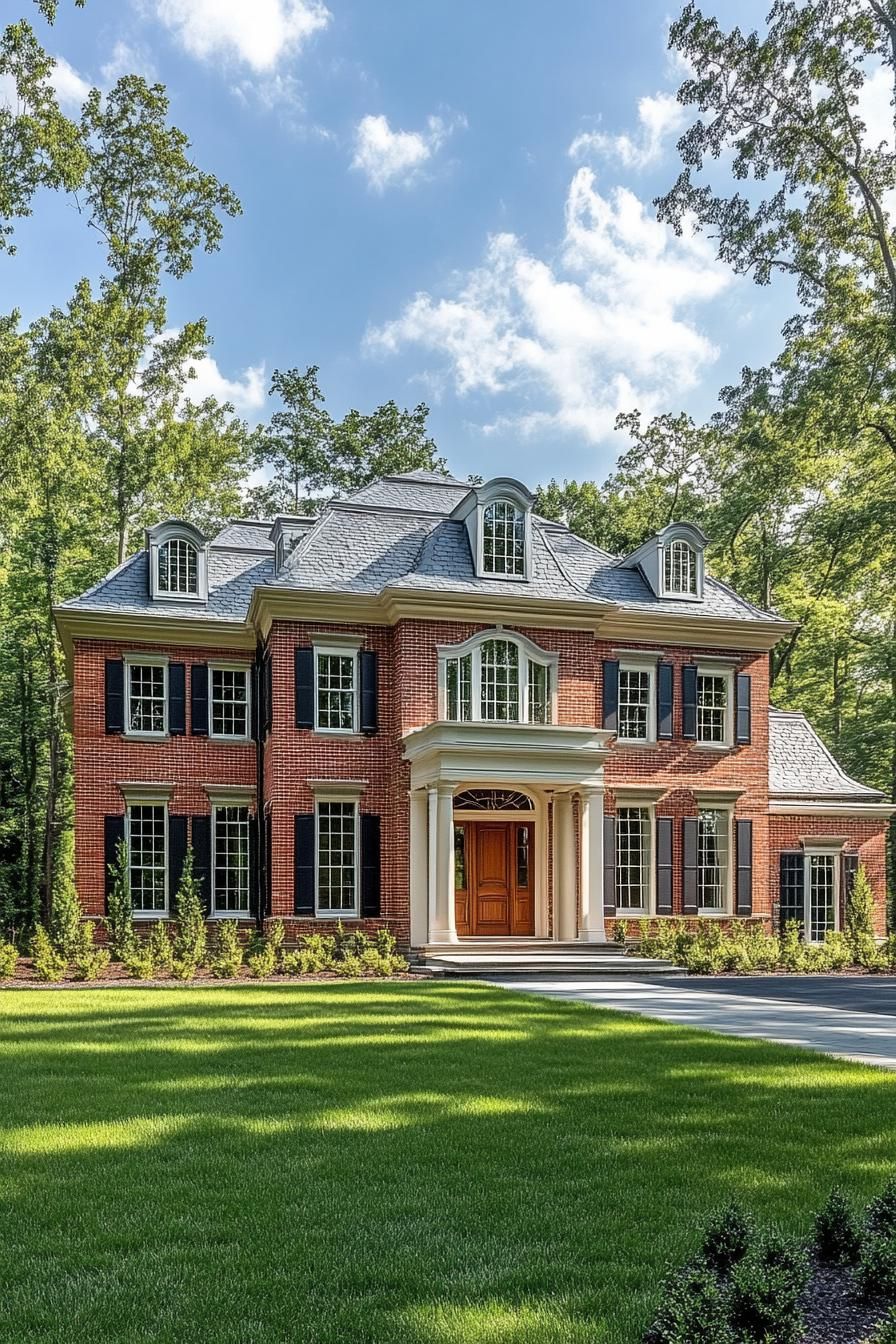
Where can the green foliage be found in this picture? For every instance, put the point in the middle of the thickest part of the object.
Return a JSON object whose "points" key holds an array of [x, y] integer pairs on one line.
{"points": [[89, 961], [767, 1286], [184, 968], [119, 909], [875, 1273], [190, 939], [349, 967], [160, 947], [140, 963], [228, 954], [65, 916], [693, 1309], [886, 1331], [620, 932], [49, 965], [880, 1215], [727, 1239], [837, 1231], [860, 912], [263, 961], [9, 959]]}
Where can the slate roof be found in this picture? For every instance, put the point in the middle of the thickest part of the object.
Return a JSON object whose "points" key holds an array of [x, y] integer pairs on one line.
{"points": [[800, 765], [397, 532]]}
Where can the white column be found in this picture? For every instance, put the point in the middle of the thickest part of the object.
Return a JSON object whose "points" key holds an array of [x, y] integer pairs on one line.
{"points": [[592, 876], [432, 868], [419, 869], [564, 869], [444, 928]]}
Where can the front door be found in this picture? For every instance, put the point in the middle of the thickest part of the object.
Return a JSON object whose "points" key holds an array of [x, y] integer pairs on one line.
{"points": [[494, 877]]}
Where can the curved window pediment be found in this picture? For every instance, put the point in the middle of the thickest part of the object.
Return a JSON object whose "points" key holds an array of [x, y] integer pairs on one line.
{"points": [[498, 678], [503, 539], [680, 569], [178, 562]]}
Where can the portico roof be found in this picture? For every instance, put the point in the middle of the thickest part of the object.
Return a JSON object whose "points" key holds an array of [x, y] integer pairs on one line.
{"points": [[502, 754]]}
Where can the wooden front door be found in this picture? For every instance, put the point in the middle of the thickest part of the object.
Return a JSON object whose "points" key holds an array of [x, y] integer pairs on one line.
{"points": [[494, 878]]}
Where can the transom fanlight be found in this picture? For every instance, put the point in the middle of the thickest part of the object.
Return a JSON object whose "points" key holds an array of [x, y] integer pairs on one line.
{"points": [[492, 800]]}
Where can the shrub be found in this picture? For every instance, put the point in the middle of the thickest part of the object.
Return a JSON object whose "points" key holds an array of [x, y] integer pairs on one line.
{"points": [[693, 1310], [766, 1291], [341, 942], [65, 914], [888, 952], [385, 942], [838, 950], [886, 1331], [350, 967], [120, 909], [837, 1234], [263, 962], [276, 935], [876, 1271], [620, 932], [89, 961], [139, 962], [160, 947], [9, 958], [49, 965], [190, 940], [727, 1239], [859, 919], [880, 1214], [184, 968], [228, 955], [291, 963], [793, 950]]}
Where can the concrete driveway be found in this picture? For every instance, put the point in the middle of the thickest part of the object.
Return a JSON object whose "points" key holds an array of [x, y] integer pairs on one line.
{"points": [[852, 1017]]}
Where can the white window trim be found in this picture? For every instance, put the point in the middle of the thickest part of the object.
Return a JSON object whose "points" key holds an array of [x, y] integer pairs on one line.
{"points": [[149, 801], [230, 914], [219, 666], [337, 650], [642, 912], [709, 912], [178, 532], [320, 911], [831, 851], [699, 570], [528, 651], [718, 670], [526, 513], [637, 665], [144, 660]]}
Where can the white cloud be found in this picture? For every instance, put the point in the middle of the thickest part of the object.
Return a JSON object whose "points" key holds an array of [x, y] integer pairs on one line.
{"points": [[660, 117], [246, 392], [607, 326], [387, 157], [876, 106], [71, 89], [258, 33], [127, 60]]}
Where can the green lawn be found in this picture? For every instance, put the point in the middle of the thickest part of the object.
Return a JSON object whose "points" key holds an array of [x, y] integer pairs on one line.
{"points": [[421, 1163]]}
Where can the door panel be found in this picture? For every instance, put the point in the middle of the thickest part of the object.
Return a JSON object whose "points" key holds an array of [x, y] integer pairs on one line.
{"points": [[494, 878], [492, 892]]}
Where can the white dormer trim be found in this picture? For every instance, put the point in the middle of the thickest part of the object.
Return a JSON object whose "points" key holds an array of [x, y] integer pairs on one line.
{"points": [[175, 529], [471, 511], [650, 558]]}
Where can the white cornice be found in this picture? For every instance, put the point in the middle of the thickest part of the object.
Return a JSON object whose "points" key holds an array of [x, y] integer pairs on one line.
{"points": [[813, 807], [74, 623], [691, 630], [501, 754]]}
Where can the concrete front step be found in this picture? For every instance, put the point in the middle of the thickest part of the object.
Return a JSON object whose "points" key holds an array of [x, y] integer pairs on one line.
{"points": [[529, 964]]}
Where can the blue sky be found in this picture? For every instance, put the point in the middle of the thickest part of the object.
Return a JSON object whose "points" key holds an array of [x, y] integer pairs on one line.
{"points": [[448, 202]]}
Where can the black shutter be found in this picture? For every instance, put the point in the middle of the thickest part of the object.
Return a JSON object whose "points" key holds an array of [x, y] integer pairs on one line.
{"points": [[370, 865], [791, 896], [369, 695], [304, 688], [304, 863], [689, 700], [177, 852], [689, 865], [665, 699], [664, 865], [113, 835], [254, 888], [744, 838], [201, 829], [611, 695], [849, 868], [267, 681], [114, 695], [199, 699], [177, 699], [744, 711], [609, 865]]}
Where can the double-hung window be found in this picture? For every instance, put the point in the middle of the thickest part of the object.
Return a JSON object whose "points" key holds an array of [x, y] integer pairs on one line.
{"points": [[336, 690], [497, 678], [503, 539], [714, 708], [633, 859], [820, 896], [713, 861], [231, 859], [337, 857], [636, 714], [147, 841], [146, 687], [229, 688]]}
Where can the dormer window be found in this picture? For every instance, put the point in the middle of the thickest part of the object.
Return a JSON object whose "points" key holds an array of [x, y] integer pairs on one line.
{"points": [[497, 677], [681, 569], [178, 562], [503, 539], [178, 568]]}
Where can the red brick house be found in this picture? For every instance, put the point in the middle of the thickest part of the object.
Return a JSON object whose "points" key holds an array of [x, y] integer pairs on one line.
{"points": [[432, 709]]}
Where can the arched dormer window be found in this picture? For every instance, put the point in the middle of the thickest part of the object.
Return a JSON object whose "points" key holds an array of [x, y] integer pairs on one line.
{"points": [[497, 677], [503, 539], [680, 569], [178, 563]]}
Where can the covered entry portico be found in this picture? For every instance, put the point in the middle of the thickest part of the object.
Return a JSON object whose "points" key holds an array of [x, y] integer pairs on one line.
{"points": [[547, 765]]}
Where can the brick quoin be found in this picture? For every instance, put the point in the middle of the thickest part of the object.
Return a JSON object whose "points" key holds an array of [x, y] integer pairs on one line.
{"points": [[408, 699]]}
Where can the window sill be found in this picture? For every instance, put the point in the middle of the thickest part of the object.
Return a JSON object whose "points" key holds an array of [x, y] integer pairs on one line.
{"points": [[715, 747], [231, 741], [146, 737], [151, 916], [714, 914], [231, 914], [338, 732], [336, 914], [639, 743], [630, 914]]}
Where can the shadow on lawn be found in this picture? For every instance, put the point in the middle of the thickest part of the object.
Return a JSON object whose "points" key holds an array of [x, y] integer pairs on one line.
{"points": [[413, 1162]]}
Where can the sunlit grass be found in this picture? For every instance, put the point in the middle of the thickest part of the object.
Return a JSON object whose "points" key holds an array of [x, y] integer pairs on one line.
{"points": [[410, 1162]]}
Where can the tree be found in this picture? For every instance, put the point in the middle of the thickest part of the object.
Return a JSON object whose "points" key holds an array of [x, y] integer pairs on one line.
{"points": [[310, 456]]}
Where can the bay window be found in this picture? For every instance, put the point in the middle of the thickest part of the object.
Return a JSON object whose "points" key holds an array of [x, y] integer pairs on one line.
{"points": [[497, 678]]}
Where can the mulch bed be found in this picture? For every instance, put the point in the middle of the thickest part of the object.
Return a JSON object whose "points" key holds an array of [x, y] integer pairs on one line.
{"points": [[834, 1315], [115, 975]]}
